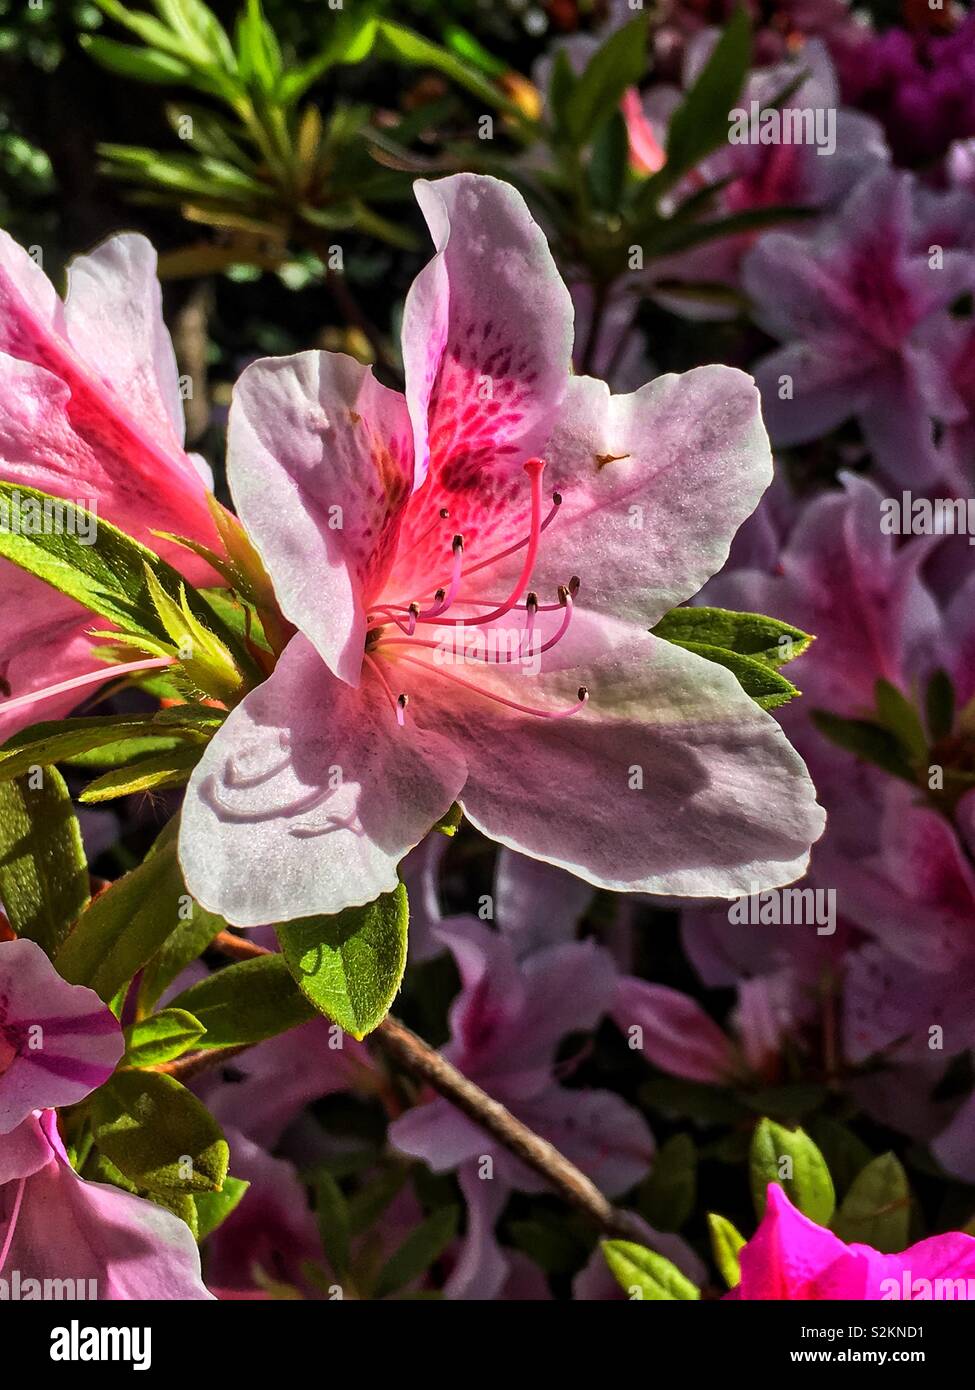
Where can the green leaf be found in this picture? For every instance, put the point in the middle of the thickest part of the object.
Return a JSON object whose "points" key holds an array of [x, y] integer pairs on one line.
{"points": [[643, 1274], [561, 87], [351, 965], [749, 634], [844, 1151], [126, 925], [332, 1215], [247, 1002], [109, 576], [791, 1159], [158, 1134], [877, 1209], [417, 1253], [866, 741], [213, 1208], [143, 64], [896, 713], [165, 1035], [760, 681], [200, 28], [726, 1241], [65, 740], [414, 49], [750, 645], [184, 945], [618, 64], [169, 769], [43, 870], [681, 233], [666, 1198], [700, 123], [609, 162], [939, 705]]}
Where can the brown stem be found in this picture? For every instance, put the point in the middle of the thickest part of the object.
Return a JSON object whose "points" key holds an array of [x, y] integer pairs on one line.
{"points": [[420, 1060]]}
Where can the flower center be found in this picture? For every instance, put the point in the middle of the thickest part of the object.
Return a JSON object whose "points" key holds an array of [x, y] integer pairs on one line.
{"points": [[468, 622]]}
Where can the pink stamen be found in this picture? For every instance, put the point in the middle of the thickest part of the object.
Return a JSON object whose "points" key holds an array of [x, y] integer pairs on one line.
{"points": [[108, 672], [519, 545], [448, 595], [12, 1225], [566, 598], [534, 469], [398, 702], [583, 694]]}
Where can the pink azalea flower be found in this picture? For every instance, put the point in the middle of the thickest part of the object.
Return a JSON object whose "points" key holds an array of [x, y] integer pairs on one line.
{"points": [[790, 1257], [58, 1042], [398, 529], [852, 306], [90, 410]]}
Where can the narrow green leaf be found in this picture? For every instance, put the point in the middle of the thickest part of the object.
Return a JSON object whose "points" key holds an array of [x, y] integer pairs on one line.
{"points": [[609, 162], [896, 713], [126, 925], [791, 1159], [417, 1253], [619, 63], [726, 1242], [143, 64], [867, 741], [158, 1134], [164, 1036], [43, 870], [700, 123], [332, 1214], [247, 1002], [170, 769], [351, 965], [643, 1274], [940, 705], [65, 740]]}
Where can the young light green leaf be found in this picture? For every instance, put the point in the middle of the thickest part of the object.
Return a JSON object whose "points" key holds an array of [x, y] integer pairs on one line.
{"points": [[109, 575], [643, 1274], [726, 1242], [165, 1035], [43, 870], [158, 1134], [247, 1002], [143, 64], [791, 1159], [351, 965], [169, 769], [749, 634], [877, 1209]]}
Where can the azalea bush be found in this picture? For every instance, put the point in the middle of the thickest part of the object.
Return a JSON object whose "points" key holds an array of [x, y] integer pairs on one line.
{"points": [[487, 670]]}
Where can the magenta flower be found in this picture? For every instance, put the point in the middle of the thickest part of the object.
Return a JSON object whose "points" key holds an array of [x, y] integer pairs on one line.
{"points": [[854, 306], [473, 617], [90, 410], [790, 1257], [58, 1042]]}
